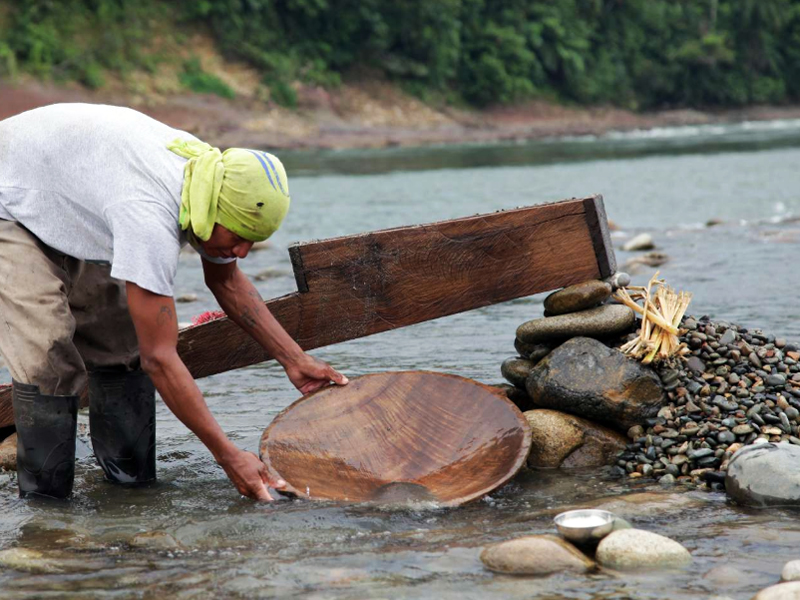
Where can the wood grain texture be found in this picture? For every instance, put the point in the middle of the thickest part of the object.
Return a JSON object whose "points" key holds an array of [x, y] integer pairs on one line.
{"points": [[440, 437], [359, 285]]}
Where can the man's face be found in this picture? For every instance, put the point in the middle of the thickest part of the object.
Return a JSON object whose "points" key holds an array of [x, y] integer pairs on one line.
{"points": [[223, 243]]}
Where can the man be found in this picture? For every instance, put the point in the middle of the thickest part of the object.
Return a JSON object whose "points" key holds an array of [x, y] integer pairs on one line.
{"points": [[95, 204]]}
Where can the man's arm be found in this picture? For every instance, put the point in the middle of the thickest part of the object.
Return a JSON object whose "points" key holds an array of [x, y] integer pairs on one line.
{"points": [[157, 331], [241, 301]]}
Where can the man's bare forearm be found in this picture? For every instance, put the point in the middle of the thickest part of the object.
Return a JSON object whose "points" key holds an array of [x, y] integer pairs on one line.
{"points": [[241, 301]]}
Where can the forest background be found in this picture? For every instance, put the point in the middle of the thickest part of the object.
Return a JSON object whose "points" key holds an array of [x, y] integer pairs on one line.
{"points": [[637, 55]]}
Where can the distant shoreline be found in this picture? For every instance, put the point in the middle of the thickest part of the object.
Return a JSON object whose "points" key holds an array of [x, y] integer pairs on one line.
{"points": [[374, 116]]}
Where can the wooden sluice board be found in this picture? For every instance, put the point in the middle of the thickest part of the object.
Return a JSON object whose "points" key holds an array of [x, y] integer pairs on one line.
{"points": [[354, 286]]}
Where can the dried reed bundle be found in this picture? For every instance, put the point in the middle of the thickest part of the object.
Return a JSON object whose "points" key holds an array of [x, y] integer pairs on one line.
{"points": [[661, 314]]}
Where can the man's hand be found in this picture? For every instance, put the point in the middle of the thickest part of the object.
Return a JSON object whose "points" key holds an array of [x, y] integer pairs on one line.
{"points": [[309, 374], [249, 475]]}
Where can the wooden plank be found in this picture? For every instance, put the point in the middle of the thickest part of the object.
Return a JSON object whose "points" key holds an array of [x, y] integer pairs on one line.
{"points": [[363, 284]]}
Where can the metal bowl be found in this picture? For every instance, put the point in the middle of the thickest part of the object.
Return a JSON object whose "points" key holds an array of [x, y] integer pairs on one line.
{"points": [[569, 524]]}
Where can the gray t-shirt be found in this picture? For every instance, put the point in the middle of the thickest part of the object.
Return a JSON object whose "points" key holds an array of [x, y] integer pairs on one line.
{"points": [[97, 183]]}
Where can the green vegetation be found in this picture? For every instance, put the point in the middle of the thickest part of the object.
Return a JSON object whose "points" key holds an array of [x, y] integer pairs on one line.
{"points": [[197, 80], [631, 53]]}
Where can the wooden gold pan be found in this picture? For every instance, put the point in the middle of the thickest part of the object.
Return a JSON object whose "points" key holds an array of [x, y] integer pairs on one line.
{"points": [[389, 436]]}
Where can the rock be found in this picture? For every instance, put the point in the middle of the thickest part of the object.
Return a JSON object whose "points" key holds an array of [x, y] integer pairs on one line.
{"points": [[695, 364], [561, 440], [185, 298], [535, 555], [577, 297], [154, 540], [30, 561], [516, 371], [643, 241], [608, 320], [588, 379], [620, 524], [766, 474], [651, 259], [533, 352], [8, 453], [782, 591], [619, 280], [791, 571], [630, 549]]}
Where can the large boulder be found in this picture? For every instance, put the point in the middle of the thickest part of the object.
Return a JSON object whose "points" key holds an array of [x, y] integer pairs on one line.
{"points": [[562, 440], [603, 321], [535, 555], [8, 453], [631, 549], [765, 475], [587, 378], [577, 297]]}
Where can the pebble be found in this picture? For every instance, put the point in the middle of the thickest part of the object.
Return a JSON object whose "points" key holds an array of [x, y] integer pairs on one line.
{"points": [[791, 571], [186, 298], [643, 241], [577, 297]]}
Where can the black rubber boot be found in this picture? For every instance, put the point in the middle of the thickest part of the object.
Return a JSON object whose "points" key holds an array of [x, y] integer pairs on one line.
{"points": [[46, 427], [122, 422]]}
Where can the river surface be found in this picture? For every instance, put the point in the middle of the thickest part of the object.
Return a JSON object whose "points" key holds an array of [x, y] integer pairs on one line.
{"points": [[669, 183]]}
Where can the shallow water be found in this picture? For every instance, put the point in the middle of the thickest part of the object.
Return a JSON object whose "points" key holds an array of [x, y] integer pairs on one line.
{"points": [[667, 183]]}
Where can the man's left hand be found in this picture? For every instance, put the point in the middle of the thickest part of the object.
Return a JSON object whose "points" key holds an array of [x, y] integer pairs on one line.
{"points": [[309, 374]]}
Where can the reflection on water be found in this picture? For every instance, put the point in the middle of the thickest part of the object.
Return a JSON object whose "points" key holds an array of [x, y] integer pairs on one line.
{"points": [[210, 542]]}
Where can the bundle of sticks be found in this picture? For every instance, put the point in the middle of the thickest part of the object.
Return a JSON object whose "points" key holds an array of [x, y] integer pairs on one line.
{"points": [[661, 314]]}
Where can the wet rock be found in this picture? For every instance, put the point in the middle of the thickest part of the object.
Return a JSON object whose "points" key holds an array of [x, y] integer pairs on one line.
{"points": [[649, 504], [765, 475], [562, 440], [791, 571], [631, 549], [533, 352], [620, 524], [782, 591], [8, 453], [577, 297], [726, 576], [516, 371], [535, 555], [154, 540], [603, 321], [643, 241], [30, 561], [186, 298], [588, 379], [619, 280]]}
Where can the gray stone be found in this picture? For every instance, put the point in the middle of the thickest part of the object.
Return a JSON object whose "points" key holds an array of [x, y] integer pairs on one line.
{"points": [[607, 320], [631, 549], [567, 441], [776, 380], [31, 561], [728, 337], [535, 555], [791, 571], [643, 241], [533, 352], [619, 280], [154, 540], [516, 371], [695, 364], [782, 591], [765, 474], [8, 453], [577, 297], [588, 379]]}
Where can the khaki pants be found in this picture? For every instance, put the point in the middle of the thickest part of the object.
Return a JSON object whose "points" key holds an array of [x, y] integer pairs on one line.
{"points": [[59, 316]]}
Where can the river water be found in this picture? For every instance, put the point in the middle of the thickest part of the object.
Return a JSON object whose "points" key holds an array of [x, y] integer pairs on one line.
{"points": [[669, 183]]}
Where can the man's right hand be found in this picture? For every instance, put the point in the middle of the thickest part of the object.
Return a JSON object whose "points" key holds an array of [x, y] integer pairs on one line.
{"points": [[249, 474]]}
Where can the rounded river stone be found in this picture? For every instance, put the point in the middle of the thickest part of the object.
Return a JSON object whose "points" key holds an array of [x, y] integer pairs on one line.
{"points": [[535, 555], [791, 571], [586, 378], [631, 549], [607, 320], [577, 297], [567, 441], [516, 371], [782, 591], [765, 475], [8, 453]]}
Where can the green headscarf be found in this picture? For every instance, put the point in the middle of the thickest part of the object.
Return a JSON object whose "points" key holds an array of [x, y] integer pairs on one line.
{"points": [[245, 191]]}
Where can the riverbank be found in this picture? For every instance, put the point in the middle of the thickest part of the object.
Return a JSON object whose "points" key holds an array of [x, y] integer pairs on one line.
{"points": [[366, 114]]}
